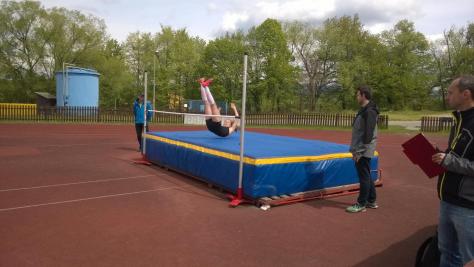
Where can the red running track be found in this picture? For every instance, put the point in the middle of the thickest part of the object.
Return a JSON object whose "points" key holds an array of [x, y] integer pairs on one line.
{"points": [[70, 196]]}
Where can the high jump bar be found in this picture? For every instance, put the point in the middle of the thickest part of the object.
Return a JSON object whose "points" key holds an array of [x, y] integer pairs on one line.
{"points": [[192, 114]]}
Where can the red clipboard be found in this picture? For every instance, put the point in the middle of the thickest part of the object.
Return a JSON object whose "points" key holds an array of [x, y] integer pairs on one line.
{"points": [[419, 150]]}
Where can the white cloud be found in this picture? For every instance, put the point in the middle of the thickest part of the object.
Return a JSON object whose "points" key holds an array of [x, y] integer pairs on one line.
{"points": [[434, 37], [388, 8], [379, 27], [212, 6], [208, 18], [250, 12], [231, 21], [376, 15], [299, 9]]}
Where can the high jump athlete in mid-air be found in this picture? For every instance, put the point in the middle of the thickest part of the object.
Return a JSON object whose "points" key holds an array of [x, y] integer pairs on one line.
{"points": [[214, 124]]}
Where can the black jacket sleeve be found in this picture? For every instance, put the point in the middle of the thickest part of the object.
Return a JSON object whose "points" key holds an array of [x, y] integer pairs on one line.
{"points": [[370, 119]]}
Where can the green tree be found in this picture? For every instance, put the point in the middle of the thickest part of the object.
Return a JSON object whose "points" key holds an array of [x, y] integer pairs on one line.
{"points": [[21, 49], [74, 38], [272, 77], [223, 60], [138, 47], [453, 55], [379, 75], [308, 47], [178, 60], [409, 62], [116, 81], [349, 42], [459, 49], [35, 43]]}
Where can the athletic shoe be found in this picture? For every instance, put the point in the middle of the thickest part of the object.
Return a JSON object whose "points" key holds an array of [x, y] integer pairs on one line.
{"points": [[204, 82], [372, 205], [201, 81], [355, 208], [208, 82]]}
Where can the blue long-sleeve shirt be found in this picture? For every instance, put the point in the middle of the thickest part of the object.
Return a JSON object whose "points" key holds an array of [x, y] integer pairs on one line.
{"points": [[138, 112]]}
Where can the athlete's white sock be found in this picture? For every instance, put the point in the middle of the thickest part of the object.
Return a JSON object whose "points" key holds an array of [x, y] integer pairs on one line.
{"points": [[209, 96], [203, 94]]}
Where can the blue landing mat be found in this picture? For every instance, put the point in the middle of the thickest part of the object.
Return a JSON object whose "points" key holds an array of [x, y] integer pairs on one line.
{"points": [[274, 165]]}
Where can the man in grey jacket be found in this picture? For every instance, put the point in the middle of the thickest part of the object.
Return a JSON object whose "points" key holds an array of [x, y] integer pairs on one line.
{"points": [[364, 138], [456, 185]]}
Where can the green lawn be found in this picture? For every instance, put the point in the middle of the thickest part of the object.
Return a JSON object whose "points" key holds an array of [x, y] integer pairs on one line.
{"points": [[410, 115], [395, 129]]}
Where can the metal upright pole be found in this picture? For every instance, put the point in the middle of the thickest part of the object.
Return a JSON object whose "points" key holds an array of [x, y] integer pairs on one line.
{"points": [[154, 79], [64, 85], [143, 160], [238, 199], [242, 123], [144, 115]]}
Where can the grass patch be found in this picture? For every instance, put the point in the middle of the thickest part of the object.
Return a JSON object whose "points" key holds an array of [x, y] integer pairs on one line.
{"points": [[411, 115], [309, 127], [396, 129], [391, 129]]}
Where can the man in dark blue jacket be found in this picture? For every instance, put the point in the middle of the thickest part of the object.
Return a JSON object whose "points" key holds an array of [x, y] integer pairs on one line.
{"points": [[364, 138], [139, 113], [456, 185]]}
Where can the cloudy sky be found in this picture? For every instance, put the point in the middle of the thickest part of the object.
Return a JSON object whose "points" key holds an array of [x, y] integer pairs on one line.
{"points": [[209, 18]]}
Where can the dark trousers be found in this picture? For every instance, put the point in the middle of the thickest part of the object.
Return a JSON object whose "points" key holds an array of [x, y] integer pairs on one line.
{"points": [[139, 129], [367, 187]]}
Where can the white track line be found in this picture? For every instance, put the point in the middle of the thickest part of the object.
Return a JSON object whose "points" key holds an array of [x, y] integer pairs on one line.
{"points": [[90, 198], [87, 134], [76, 183], [95, 144]]}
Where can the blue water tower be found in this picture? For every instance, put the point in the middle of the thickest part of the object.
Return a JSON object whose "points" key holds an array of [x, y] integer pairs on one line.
{"points": [[77, 87]]}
